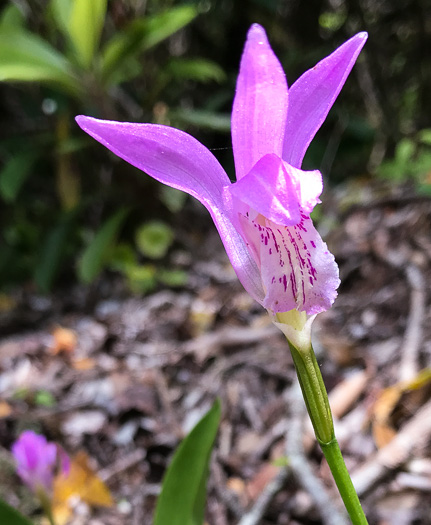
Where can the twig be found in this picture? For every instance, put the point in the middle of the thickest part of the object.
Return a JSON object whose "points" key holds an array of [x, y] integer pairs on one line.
{"points": [[254, 516], [414, 436], [218, 481], [165, 400], [298, 462], [409, 367], [122, 464], [209, 344], [401, 260]]}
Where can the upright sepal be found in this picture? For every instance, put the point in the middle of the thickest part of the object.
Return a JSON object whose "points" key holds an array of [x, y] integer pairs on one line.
{"points": [[260, 104]]}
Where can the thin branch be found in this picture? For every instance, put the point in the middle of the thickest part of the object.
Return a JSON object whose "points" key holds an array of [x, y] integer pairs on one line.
{"points": [[409, 366], [256, 513], [410, 441]]}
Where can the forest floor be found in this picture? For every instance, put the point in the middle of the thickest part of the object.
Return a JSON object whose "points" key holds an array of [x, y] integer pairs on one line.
{"points": [[123, 378]]}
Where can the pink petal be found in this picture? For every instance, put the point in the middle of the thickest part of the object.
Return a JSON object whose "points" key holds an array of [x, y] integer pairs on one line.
{"points": [[180, 161], [298, 271], [35, 458], [312, 95], [269, 190], [278, 191], [309, 187], [260, 104]]}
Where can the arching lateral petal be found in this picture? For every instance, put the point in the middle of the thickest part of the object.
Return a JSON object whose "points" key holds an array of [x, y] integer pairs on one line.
{"points": [[312, 96], [180, 161]]}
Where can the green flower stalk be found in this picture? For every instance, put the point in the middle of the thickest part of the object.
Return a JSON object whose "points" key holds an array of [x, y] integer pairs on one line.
{"points": [[297, 329]]}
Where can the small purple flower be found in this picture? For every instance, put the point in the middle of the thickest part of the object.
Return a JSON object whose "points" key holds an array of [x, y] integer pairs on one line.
{"points": [[37, 460], [264, 218]]}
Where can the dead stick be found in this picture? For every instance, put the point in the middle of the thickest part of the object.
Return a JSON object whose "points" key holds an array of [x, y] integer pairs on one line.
{"points": [[409, 366], [413, 437]]}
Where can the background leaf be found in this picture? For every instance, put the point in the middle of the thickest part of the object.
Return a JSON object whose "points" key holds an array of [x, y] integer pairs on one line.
{"points": [[60, 10], [28, 58], [154, 238], [11, 16], [141, 35], [204, 119], [53, 251], [196, 69], [85, 27], [14, 174], [10, 516], [95, 256], [182, 500]]}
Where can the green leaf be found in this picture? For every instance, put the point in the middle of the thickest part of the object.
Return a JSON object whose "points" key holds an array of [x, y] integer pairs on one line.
{"points": [[141, 278], [172, 277], [122, 256], [204, 119], [141, 35], [163, 25], [96, 254], [61, 10], [425, 136], [14, 174], [27, 58], [172, 198], [53, 252], [196, 69], [332, 21], [10, 516], [85, 25], [404, 151], [11, 17], [44, 398], [182, 500], [154, 238]]}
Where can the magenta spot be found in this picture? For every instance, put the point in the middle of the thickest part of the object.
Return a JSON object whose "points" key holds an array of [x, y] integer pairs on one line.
{"points": [[293, 283], [312, 244], [313, 271], [301, 227], [276, 246]]}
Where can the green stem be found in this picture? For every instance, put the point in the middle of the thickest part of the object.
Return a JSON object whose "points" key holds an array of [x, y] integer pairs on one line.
{"points": [[345, 486], [45, 502], [314, 393], [317, 403]]}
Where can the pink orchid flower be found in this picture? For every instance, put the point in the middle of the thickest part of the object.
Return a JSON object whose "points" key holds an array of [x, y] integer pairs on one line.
{"points": [[37, 461], [264, 217]]}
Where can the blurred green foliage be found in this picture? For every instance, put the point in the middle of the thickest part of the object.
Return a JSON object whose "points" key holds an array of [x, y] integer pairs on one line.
{"points": [[172, 62], [11, 516], [411, 161], [82, 60]]}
